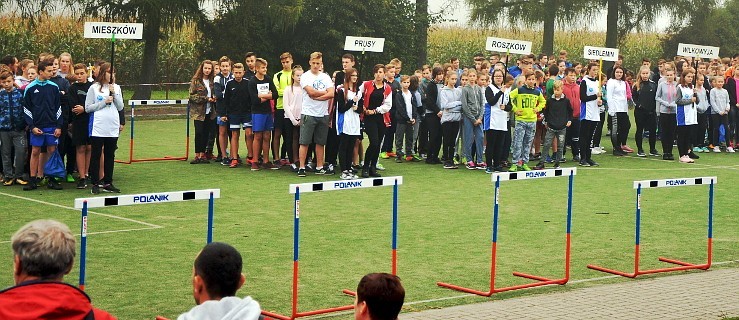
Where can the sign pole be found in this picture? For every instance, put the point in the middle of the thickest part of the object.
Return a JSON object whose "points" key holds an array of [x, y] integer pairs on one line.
{"points": [[361, 65], [600, 75]]}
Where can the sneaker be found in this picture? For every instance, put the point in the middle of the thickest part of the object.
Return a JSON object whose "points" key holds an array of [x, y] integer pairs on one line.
{"points": [[626, 149], [346, 175], [204, 160], [321, 171], [697, 149], [111, 188], [329, 168], [8, 182], [249, 160], [234, 163], [417, 158], [539, 166], [704, 149], [384, 155], [409, 158], [654, 153], [398, 160], [195, 161], [685, 159], [717, 149], [618, 153], [82, 183], [294, 167], [53, 184], [641, 154], [489, 170], [549, 159], [729, 149], [481, 166], [271, 166], [563, 160], [42, 181], [514, 168], [556, 165], [95, 189], [525, 167], [595, 150], [21, 181], [584, 163], [575, 158], [449, 165], [592, 163], [301, 172], [380, 167], [391, 154], [254, 166], [498, 169], [70, 178], [692, 155], [225, 161], [470, 165], [218, 159]]}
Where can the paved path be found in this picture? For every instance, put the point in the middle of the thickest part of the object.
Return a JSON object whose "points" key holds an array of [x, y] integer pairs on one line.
{"points": [[700, 295]]}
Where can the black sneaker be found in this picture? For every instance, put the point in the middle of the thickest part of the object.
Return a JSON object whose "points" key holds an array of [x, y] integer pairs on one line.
{"points": [[398, 159], [301, 172], [226, 161], [53, 184], [111, 188], [321, 171], [556, 165], [654, 153], [32, 184], [693, 155], [329, 169], [81, 183], [584, 163], [592, 163], [575, 158], [619, 153], [539, 166], [95, 188], [665, 156]]}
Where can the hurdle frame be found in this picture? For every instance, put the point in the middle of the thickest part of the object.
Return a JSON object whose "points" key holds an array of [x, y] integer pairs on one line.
{"points": [[638, 185], [330, 186], [541, 281], [124, 200], [132, 121]]}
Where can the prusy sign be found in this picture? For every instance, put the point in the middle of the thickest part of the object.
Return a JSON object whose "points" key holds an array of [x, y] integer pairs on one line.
{"points": [[508, 46], [105, 30], [364, 44], [694, 50], [598, 53]]}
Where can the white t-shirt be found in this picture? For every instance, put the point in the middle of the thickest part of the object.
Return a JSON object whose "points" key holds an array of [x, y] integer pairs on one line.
{"points": [[207, 87], [104, 121], [320, 82], [408, 103]]}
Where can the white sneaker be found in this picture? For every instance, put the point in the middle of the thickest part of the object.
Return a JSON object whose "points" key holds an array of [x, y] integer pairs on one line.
{"points": [[345, 175], [596, 150], [380, 167], [729, 149], [716, 149], [685, 159]]}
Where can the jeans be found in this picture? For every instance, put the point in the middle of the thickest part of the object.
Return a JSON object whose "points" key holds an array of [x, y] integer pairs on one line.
{"points": [[472, 134], [13, 164], [404, 131], [550, 135], [523, 136]]}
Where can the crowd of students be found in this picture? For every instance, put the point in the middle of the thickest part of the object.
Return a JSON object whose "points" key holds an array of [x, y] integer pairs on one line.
{"points": [[484, 117]]}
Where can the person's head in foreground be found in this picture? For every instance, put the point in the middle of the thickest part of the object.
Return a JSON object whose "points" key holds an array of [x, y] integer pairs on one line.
{"points": [[43, 253], [379, 297], [216, 278]]}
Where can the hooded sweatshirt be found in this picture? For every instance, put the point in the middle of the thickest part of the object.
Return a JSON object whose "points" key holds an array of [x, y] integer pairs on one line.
{"points": [[228, 308], [572, 92], [667, 94], [472, 101], [450, 101], [43, 107], [719, 100], [558, 112], [47, 300]]}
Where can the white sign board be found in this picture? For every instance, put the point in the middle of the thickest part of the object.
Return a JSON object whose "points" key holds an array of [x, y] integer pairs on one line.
{"points": [[694, 50], [105, 30], [364, 44], [508, 46], [597, 53]]}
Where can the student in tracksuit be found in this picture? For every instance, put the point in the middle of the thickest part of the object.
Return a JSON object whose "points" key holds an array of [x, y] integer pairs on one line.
{"points": [[590, 102]]}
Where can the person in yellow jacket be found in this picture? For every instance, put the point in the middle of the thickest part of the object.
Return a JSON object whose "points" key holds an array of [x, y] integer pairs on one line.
{"points": [[527, 101]]}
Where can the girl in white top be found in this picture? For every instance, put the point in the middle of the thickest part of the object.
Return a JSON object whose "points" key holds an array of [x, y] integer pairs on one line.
{"points": [[347, 120], [495, 122], [618, 109], [104, 103], [687, 115], [293, 104]]}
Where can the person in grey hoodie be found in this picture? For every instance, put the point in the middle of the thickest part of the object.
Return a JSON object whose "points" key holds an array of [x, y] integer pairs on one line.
{"points": [[216, 278], [667, 95], [450, 103], [472, 102]]}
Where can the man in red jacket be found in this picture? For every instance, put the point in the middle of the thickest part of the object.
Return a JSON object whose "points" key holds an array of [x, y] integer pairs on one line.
{"points": [[43, 252]]}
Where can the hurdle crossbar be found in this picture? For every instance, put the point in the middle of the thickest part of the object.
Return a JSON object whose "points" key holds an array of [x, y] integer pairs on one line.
{"points": [[541, 281], [133, 199], [296, 189], [680, 182], [132, 122]]}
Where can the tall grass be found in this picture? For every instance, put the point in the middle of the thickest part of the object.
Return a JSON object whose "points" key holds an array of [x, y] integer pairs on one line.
{"points": [[447, 41]]}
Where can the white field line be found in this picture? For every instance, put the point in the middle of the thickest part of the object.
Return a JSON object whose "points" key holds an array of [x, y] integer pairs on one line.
{"points": [[472, 295], [151, 225], [104, 232]]}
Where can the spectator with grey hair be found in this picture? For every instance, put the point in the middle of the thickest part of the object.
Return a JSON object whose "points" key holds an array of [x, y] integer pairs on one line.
{"points": [[43, 253]]}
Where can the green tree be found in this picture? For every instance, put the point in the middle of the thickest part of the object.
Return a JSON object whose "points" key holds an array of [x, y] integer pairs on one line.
{"points": [[548, 13], [711, 26]]}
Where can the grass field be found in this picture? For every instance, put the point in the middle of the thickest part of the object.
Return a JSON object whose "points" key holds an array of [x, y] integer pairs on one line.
{"points": [[140, 257]]}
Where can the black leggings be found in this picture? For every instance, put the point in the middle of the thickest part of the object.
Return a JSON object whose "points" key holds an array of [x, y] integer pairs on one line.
{"points": [[716, 121], [587, 134], [494, 151], [599, 130], [620, 126], [572, 137], [645, 121], [202, 132], [699, 133], [450, 130], [374, 127], [685, 138], [102, 145], [433, 123], [667, 124], [346, 151]]}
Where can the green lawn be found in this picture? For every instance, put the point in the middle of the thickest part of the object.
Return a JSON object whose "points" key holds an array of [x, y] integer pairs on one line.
{"points": [[444, 233]]}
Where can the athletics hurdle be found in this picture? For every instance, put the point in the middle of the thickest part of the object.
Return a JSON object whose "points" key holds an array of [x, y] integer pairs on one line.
{"points": [[147, 198], [680, 182], [330, 186], [542, 281], [133, 104]]}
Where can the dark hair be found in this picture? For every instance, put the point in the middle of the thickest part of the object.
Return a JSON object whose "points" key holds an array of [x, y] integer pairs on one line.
{"points": [[45, 63], [553, 70], [436, 71], [613, 73], [377, 67], [219, 265], [570, 70], [414, 83], [591, 65], [348, 56], [383, 293], [250, 54], [541, 55], [348, 79], [8, 60], [4, 74], [102, 69]]}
